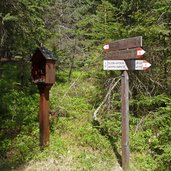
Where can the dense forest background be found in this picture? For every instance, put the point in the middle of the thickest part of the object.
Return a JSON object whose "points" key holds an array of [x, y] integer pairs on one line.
{"points": [[75, 31]]}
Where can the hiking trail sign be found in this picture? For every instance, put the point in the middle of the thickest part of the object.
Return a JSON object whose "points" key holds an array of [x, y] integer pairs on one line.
{"points": [[124, 55], [125, 65], [128, 43]]}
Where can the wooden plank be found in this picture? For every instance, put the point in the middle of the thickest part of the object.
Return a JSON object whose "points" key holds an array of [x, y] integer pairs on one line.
{"points": [[122, 54], [133, 42], [44, 115], [50, 73], [135, 53]]}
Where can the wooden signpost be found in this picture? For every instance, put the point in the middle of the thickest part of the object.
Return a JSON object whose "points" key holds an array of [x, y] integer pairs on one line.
{"points": [[43, 74], [123, 55]]}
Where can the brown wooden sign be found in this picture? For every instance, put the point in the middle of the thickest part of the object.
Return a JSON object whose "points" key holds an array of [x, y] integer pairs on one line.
{"points": [[133, 42], [125, 65], [135, 53]]}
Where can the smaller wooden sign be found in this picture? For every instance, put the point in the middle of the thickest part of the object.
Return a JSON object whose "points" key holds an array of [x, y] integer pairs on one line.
{"points": [[133, 42]]}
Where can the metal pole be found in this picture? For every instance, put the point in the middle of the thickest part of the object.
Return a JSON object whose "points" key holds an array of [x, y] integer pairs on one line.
{"points": [[125, 119], [44, 114]]}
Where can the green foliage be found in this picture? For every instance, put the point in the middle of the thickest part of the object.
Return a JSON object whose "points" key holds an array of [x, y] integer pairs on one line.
{"points": [[8, 17], [150, 125], [111, 125], [142, 161], [23, 25], [152, 131], [90, 137], [19, 120], [79, 30]]}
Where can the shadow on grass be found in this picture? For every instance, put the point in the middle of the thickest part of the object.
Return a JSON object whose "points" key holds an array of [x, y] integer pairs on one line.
{"points": [[112, 141]]}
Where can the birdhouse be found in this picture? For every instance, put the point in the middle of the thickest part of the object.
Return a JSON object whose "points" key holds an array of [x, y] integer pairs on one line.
{"points": [[43, 67]]}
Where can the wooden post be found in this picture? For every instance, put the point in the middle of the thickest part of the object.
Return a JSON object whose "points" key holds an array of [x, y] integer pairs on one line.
{"points": [[125, 120], [44, 114]]}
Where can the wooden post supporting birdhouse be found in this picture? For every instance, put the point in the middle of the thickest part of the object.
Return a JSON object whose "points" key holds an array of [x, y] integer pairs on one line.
{"points": [[43, 74]]}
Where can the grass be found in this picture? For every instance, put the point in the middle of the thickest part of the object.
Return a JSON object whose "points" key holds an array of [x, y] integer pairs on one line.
{"points": [[75, 144]]}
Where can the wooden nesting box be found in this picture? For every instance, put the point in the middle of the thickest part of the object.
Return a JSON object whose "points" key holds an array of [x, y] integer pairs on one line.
{"points": [[43, 66]]}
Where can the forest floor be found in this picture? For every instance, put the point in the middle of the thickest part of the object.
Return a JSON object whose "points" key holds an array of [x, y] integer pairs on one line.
{"points": [[75, 143]]}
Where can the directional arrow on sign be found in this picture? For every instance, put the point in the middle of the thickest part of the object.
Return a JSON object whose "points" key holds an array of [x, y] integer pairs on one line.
{"points": [[106, 47], [135, 53], [125, 65], [140, 52], [146, 65]]}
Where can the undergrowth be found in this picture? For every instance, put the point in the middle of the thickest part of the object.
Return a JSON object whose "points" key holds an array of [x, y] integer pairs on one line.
{"points": [[74, 143], [77, 141]]}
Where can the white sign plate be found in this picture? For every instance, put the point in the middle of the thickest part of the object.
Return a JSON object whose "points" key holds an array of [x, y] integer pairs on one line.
{"points": [[123, 65]]}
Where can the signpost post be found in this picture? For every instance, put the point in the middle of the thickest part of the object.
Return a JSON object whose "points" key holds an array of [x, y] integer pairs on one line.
{"points": [[122, 55], [125, 119]]}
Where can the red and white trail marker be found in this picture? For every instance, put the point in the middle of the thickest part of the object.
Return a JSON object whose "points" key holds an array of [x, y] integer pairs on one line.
{"points": [[106, 47], [140, 52]]}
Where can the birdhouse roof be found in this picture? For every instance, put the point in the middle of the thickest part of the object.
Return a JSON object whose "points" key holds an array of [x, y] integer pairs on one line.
{"points": [[46, 53]]}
